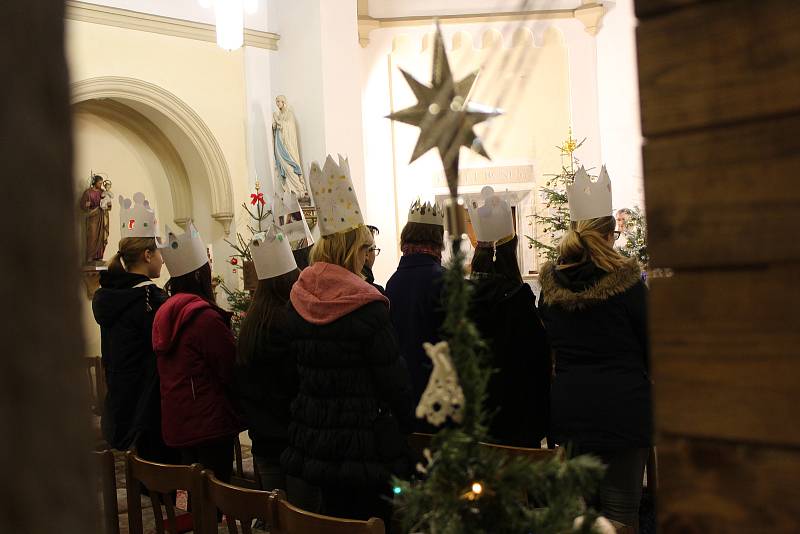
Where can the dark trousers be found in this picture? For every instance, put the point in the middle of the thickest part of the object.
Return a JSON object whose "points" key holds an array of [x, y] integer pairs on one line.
{"points": [[216, 455], [620, 491]]}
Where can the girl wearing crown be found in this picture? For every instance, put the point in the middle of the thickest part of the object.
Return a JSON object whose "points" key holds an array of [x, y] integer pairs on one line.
{"points": [[349, 421], [124, 307], [196, 353], [593, 306]]}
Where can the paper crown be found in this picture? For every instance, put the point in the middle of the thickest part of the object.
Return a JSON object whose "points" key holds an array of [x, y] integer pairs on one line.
{"points": [[588, 199], [136, 217], [493, 220], [272, 253], [291, 220], [426, 213], [334, 197], [184, 253]]}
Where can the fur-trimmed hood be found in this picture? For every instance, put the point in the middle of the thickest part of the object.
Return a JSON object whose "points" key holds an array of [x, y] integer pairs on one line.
{"points": [[557, 289]]}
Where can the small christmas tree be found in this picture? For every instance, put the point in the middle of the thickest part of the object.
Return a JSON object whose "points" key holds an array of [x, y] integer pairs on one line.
{"points": [[635, 232], [552, 224], [239, 299]]}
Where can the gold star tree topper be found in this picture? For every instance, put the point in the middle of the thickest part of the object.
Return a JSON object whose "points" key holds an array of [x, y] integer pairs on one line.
{"points": [[444, 114]]}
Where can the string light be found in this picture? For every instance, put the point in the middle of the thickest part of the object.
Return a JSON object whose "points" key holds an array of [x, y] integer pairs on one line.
{"points": [[397, 490], [477, 489]]}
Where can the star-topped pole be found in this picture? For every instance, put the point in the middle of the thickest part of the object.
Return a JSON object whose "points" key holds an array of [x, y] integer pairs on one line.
{"points": [[444, 114]]}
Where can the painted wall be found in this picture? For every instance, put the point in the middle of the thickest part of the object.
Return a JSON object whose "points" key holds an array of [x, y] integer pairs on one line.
{"points": [[618, 95], [408, 8]]}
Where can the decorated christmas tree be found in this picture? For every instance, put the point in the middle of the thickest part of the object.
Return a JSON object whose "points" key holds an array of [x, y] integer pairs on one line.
{"points": [[554, 220], [464, 486], [635, 232]]}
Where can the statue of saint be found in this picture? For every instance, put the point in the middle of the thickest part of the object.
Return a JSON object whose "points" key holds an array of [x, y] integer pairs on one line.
{"points": [[287, 150], [96, 204]]}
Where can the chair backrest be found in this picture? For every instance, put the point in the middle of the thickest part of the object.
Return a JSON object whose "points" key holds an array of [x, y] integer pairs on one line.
{"points": [[236, 503], [161, 481], [103, 462], [293, 520], [536, 455], [241, 477]]}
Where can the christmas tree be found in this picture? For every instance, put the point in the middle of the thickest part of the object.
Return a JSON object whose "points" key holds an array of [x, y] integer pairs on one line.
{"points": [[635, 232], [466, 487], [552, 224]]}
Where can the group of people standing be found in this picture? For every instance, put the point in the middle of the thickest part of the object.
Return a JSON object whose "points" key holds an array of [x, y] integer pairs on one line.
{"points": [[329, 367]]}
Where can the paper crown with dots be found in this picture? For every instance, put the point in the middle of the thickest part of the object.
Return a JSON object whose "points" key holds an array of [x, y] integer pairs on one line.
{"points": [[184, 253], [589, 199], [426, 213], [334, 197], [272, 254], [493, 220], [136, 217]]}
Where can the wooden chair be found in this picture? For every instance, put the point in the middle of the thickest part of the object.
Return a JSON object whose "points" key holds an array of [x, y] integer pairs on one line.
{"points": [[161, 480], [292, 520], [108, 521], [236, 503], [241, 477]]}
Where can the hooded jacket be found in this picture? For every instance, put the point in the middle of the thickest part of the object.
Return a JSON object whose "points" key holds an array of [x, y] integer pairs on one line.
{"points": [[353, 408], [596, 323], [518, 393], [124, 307], [196, 355]]}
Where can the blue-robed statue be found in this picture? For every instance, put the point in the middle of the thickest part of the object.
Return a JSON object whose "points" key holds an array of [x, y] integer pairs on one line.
{"points": [[287, 151]]}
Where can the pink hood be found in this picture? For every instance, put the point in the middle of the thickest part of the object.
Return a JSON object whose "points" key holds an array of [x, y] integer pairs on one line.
{"points": [[325, 292]]}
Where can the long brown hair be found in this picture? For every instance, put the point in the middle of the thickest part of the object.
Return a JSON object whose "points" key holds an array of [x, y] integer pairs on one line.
{"points": [[197, 282], [588, 240], [271, 296], [130, 252]]}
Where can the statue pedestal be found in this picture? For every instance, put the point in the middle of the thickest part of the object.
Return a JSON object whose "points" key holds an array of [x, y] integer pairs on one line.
{"points": [[91, 278]]}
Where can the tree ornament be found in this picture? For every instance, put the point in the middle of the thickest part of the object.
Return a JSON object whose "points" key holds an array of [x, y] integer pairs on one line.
{"points": [[443, 396]]}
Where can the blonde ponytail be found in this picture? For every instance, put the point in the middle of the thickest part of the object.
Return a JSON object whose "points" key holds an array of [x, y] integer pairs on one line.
{"points": [[588, 241]]}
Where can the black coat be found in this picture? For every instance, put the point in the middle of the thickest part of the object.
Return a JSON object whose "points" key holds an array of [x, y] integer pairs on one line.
{"points": [[597, 325], [353, 409], [266, 387], [518, 393], [417, 312], [125, 315]]}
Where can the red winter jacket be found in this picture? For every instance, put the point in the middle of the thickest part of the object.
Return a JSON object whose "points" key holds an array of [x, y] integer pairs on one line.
{"points": [[196, 353]]}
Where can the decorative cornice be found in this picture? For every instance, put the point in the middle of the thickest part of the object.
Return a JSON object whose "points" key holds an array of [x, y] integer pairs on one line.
{"points": [[134, 20], [590, 13], [507, 174]]}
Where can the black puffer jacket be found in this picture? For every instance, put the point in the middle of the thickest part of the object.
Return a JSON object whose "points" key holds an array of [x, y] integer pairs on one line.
{"points": [[353, 409], [125, 315], [519, 391], [266, 387], [597, 325]]}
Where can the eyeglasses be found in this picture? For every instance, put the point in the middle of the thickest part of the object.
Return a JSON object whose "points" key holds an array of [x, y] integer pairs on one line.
{"points": [[617, 233], [375, 250]]}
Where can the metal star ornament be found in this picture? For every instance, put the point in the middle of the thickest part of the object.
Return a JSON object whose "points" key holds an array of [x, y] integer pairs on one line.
{"points": [[444, 114]]}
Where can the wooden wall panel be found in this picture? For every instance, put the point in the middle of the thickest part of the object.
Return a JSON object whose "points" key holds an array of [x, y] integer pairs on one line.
{"points": [[726, 196], [646, 8], [718, 62], [710, 487]]}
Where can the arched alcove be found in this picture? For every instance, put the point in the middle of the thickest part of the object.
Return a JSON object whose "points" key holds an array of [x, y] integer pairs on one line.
{"points": [[139, 105]]}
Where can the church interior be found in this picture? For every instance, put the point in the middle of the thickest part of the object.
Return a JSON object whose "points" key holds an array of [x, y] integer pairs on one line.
{"points": [[552, 225]]}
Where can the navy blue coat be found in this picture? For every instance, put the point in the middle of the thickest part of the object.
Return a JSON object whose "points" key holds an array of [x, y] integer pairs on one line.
{"points": [[417, 313]]}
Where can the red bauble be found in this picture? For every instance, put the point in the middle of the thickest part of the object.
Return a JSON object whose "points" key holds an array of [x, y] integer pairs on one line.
{"points": [[234, 261]]}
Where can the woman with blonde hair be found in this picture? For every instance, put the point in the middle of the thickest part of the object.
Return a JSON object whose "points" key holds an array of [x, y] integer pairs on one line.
{"points": [[124, 307], [594, 306], [347, 434]]}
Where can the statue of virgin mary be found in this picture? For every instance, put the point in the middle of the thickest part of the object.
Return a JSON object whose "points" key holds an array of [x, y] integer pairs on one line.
{"points": [[287, 150]]}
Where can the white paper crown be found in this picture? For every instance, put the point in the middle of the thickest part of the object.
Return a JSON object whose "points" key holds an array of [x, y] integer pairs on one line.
{"points": [[493, 221], [588, 199], [272, 253], [426, 213], [334, 197], [184, 253], [136, 217], [289, 217]]}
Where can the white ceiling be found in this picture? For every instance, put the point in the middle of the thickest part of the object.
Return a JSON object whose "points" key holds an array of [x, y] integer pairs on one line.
{"points": [[417, 8], [185, 10]]}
